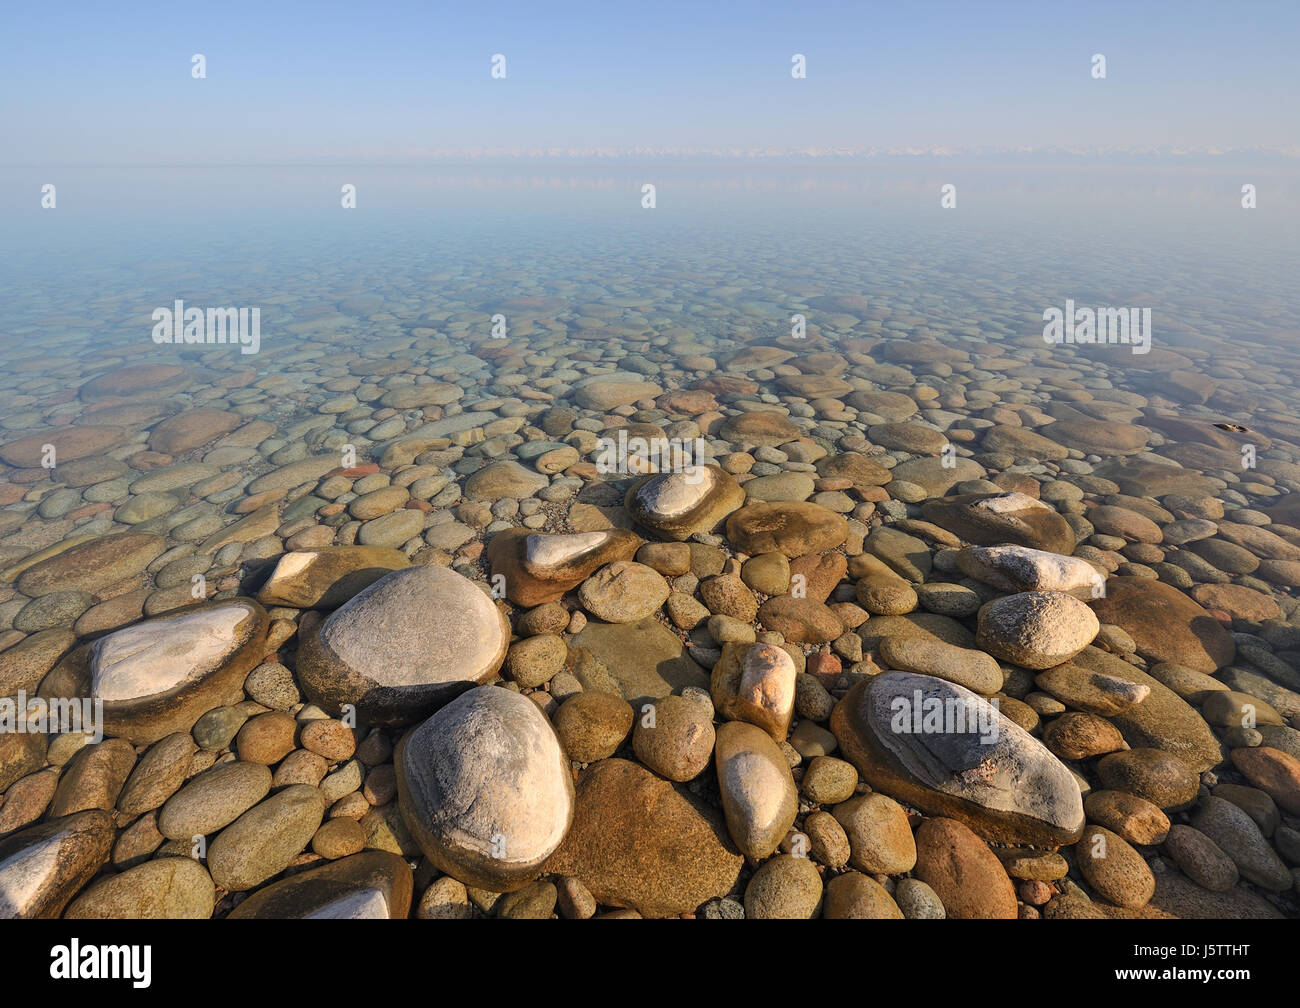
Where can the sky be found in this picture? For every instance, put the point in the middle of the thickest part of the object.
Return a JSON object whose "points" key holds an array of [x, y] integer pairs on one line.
{"points": [[94, 83]]}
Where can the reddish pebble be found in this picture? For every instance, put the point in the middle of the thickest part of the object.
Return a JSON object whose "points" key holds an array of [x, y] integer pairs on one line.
{"points": [[1034, 893], [356, 472], [418, 505], [251, 504], [330, 510], [825, 667], [148, 460]]}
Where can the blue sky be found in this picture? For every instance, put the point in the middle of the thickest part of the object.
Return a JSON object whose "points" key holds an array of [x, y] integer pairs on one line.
{"points": [[100, 83]]}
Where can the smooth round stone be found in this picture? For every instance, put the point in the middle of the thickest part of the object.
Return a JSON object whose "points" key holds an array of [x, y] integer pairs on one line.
{"points": [[1020, 569], [266, 738], [392, 530], [371, 885], [158, 775], [880, 837], [669, 559], [790, 528], [592, 725], [768, 573], [758, 793], [1166, 625], [42, 867], [217, 728], [678, 505], [378, 502], [213, 800], [784, 486], [963, 872], [403, 646], [170, 888], [328, 577], [93, 777], [1089, 690], [912, 438], [674, 738], [538, 568], [765, 428], [829, 781], [338, 838], [642, 842], [535, 901], [975, 670], [765, 691], [1037, 630], [908, 493], [1135, 819], [623, 592], [1079, 736], [271, 684], [1200, 859], [157, 677], [1238, 836], [145, 507], [1274, 772], [506, 478], [58, 503], [69, 443], [879, 590], [854, 896], [607, 392], [785, 887], [1227, 708], [1113, 869], [858, 469], [1002, 519], [92, 565], [57, 609], [536, 660], [800, 620], [983, 768], [485, 789], [89, 471], [548, 618], [263, 841], [1157, 776], [917, 900], [948, 599], [445, 899]]}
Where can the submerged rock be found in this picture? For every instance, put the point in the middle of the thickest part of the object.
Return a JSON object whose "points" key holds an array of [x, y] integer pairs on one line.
{"points": [[409, 643], [485, 789], [540, 568], [949, 752], [371, 885], [677, 505], [159, 676], [640, 842]]}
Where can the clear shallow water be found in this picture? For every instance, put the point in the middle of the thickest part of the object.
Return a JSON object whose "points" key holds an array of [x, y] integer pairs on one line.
{"points": [[375, 325], [729, 251]]}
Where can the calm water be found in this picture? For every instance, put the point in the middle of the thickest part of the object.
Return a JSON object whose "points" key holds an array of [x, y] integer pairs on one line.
{"points": [[729, 254]]}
